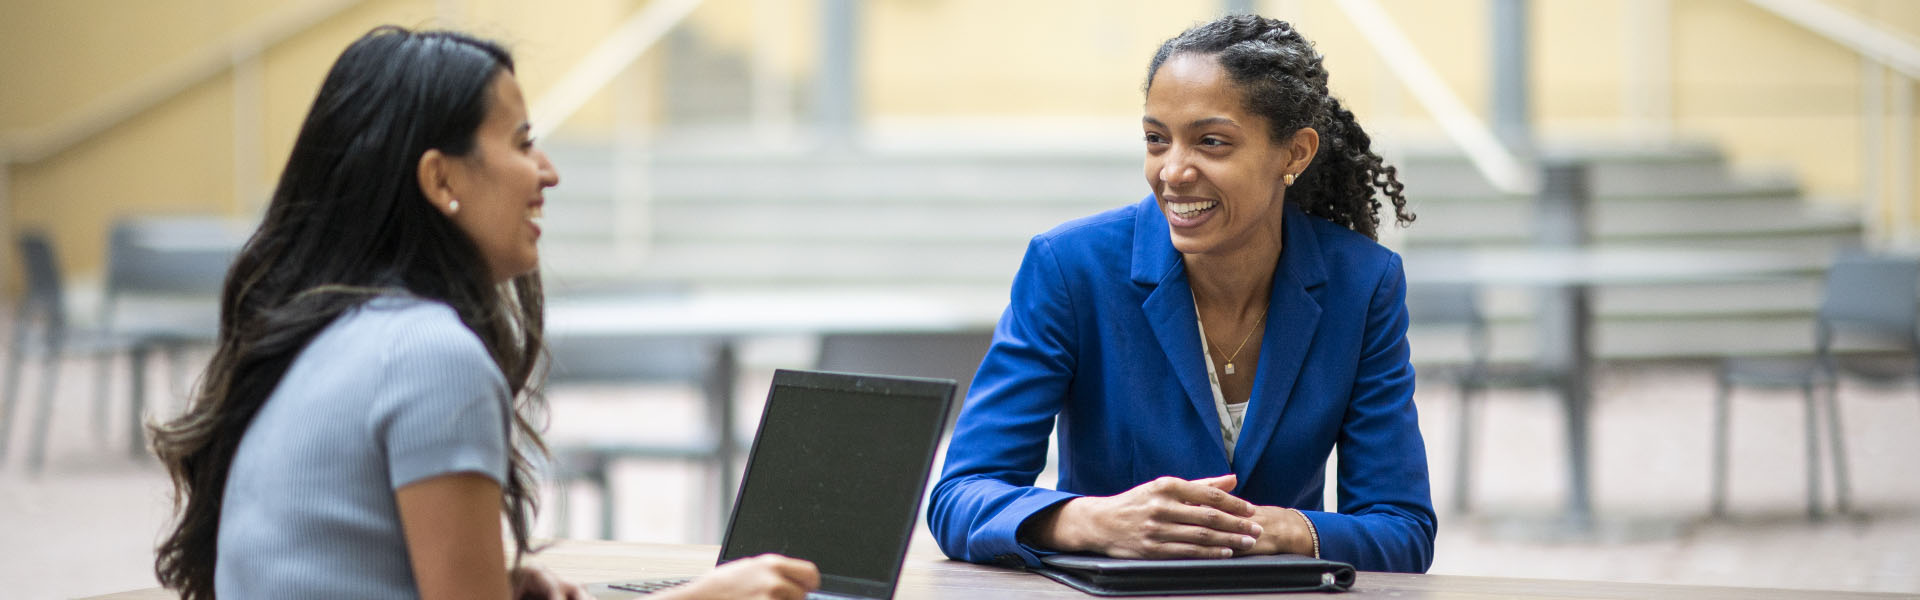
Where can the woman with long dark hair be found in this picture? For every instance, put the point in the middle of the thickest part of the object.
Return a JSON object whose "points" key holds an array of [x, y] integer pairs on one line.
{"points": [[1206, 349], [365, 421]]}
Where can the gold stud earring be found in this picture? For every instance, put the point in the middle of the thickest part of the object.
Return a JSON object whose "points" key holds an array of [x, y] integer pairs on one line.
{"points": [[453, 206], [1287, 180]]}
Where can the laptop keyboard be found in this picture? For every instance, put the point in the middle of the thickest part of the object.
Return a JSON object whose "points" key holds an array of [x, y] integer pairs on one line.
{"points": [[651, 585]]}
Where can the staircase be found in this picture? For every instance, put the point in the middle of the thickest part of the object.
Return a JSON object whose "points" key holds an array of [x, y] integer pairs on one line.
{"points": [[1681, 197], [958, 220]]}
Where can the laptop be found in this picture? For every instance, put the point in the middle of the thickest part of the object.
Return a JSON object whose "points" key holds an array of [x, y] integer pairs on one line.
{"points": [[870, 439]]}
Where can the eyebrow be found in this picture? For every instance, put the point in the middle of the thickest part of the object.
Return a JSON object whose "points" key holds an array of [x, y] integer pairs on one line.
{"points": [[1203, 122]]}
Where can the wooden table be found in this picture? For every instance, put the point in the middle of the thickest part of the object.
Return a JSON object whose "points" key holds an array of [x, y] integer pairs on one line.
{"points": [[930, 576]]}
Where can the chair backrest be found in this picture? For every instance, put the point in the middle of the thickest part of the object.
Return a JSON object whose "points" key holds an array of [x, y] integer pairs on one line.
{"points": [[1875, 294], [631, 359], [171, 256], [45, 290], [952, 355]]}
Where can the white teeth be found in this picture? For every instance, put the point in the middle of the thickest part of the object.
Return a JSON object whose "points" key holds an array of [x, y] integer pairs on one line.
{"points": [[1188, 209], [535, 213]]}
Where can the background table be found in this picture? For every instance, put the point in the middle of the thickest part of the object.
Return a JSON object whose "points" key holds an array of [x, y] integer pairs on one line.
{"points": [[930, 576], [1569, 275], [726, 319]]}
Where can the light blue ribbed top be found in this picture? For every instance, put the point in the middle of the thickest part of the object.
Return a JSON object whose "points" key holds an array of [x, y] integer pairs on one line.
{"points": [[395, 391]]}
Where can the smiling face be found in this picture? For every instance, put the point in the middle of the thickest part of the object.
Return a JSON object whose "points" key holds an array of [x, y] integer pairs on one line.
{"points": [[1211, 164], [499, 184]]}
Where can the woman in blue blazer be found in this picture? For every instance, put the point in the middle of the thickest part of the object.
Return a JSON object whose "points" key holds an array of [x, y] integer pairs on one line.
{"points": [[1203, 352]]}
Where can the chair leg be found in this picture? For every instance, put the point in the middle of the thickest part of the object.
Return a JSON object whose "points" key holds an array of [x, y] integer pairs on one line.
{"points": [[136, 433], [1722, 407], [1463, 451], [38, 459], [177, 383], [1813, 454], [1842, 493], [102, 376], [15, 355], [599, 478]]}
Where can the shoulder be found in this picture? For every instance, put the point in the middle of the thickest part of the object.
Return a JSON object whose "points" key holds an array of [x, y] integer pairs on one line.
{"points": [[1108, 224], [1103, 239], [1349, 254], [408, 339], [414, 331]]}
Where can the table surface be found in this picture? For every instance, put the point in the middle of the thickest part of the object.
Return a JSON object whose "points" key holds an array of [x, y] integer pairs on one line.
{"points": [[1629, 265], [775, 311], [929, 575]]}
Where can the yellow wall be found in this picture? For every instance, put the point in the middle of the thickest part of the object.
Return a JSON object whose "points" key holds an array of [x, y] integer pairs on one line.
{"points": [[179, 155], [1769, 93]]}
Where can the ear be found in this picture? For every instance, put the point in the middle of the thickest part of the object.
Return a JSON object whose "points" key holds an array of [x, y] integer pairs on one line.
{"points": [[1301, 148], [435, 173]]}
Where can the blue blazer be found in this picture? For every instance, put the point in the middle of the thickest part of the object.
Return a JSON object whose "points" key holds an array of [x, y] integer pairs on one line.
{"points": [[1100, 336]]}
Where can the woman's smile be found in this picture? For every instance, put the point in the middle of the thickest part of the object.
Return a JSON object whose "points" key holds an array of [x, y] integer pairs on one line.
{"points": [[1184, 211]]}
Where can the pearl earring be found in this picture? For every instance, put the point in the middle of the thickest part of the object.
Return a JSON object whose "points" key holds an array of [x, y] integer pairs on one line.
{"points": [[1287, 180], [453, 206]]}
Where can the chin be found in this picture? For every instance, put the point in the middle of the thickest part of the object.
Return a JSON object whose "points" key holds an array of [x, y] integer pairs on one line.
{"points": [[1188, 245]]}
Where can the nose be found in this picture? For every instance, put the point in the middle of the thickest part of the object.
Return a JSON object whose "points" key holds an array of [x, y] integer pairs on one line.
{"points": [[549, 176], [1176, 169]]}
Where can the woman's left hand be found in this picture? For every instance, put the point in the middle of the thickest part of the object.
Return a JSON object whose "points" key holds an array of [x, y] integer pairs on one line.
{"points": [[535, 583], [1282, 530]]}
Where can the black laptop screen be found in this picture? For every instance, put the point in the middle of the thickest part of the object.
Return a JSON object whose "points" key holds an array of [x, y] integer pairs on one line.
{"points": [[836, 478]]}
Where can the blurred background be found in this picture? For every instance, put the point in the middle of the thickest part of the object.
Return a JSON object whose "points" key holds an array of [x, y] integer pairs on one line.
{"points": [[1639, 220]]}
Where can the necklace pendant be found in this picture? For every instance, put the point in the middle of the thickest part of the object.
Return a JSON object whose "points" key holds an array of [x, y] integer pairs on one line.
{"points": [[1229, 368]]}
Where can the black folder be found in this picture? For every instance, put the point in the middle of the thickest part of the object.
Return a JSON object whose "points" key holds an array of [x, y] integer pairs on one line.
{"points": [[1102, 576]]}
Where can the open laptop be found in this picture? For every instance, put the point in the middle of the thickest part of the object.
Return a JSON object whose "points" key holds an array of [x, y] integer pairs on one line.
{"points": [[835, 476]]}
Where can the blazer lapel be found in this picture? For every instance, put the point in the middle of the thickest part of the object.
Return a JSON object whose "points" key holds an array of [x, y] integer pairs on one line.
{"points": [[1169, 312], [1292, 318]]}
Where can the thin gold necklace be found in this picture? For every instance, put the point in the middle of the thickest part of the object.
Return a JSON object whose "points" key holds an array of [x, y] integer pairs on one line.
{"points": [[1243, 341]]}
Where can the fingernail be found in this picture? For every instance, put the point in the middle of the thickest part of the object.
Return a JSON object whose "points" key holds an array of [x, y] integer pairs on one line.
{"points": [[1246, 543], [1225, 553], [1254, 529]]}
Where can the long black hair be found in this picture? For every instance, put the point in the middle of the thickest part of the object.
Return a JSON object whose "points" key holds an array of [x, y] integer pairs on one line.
{"points": [[1282, 79], [348, 222]]}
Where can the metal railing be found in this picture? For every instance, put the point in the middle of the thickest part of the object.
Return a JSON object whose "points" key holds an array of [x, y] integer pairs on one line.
{"points": [[33, 144], [1501, 166], [1885, 127], [607, 59], [241, 55]]}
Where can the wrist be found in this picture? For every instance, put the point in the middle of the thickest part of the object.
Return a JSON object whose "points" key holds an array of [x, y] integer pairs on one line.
{"points": [[1055, 528], [1312, 534], [1283, 531]]}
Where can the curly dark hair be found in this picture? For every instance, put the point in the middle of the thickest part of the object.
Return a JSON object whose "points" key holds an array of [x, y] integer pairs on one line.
{"points": [[348, 223], [1284, 81]]}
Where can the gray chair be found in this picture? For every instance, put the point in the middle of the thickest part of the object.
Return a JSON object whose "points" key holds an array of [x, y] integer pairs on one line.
{"points": [[1458, 306], [163, 282], [42, 311], [952, 355], [1868, 296], [701, 361]]}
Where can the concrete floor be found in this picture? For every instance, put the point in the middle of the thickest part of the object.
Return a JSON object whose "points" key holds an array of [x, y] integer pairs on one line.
{"points": [[88, 524]]}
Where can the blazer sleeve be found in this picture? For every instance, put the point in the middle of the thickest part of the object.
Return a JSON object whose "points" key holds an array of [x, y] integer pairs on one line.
{"points": [[1000, 443], [1386, 520]]}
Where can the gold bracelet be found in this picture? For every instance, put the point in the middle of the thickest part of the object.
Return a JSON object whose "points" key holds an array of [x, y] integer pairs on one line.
{"points": [[1311, 531]]}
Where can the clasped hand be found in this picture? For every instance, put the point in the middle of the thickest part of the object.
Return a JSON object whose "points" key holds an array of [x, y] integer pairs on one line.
{"points": [[1168, 517]]}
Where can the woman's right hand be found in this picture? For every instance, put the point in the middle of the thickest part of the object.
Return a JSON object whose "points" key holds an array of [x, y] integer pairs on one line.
{"points": [[1168, 517], [767, 576]]}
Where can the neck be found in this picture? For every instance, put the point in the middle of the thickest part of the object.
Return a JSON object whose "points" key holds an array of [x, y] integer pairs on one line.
{"points": [[1239, 281]]}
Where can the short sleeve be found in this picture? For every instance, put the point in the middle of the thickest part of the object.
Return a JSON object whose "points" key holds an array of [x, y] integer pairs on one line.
{"points": [[442, 405]]}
